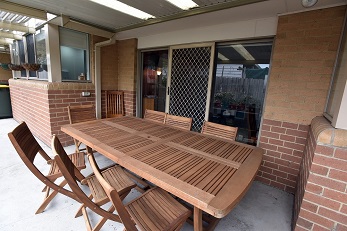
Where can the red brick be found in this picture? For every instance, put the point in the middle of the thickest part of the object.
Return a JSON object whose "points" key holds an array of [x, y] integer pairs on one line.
{"points": [[265, 128], [340, 227], [320, 228], [300, 140], [295, 146], [269, 176], [338, 175], [265, 169], [268, 146], [304, 223], [289, 170], [331, 162], [344, 209], [287, 138], [264, 140], [314, 218], [277, 185], [272, 122], [270, 135], [268, 158], [290, 125], [326, 182], [322, 201], [280, 173], [298, 228], [341, 154], [298, 153], [341, 218], [291, 158], [316, 189], [273, 153], [335, 195], [286, 182], [324, 150], [292, 132], [276, 142], [263, 180], [285, 150], [318, 169], [309, 206], [278, 129]]}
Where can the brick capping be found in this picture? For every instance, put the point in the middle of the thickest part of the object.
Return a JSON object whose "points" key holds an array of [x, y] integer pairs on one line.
{"points": [[321, 196]]}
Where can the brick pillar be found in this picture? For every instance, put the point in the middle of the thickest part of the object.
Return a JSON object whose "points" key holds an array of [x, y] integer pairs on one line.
{"points": [[321, 197]]}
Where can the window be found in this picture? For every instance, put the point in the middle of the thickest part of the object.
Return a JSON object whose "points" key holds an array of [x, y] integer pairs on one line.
{"points": [[74, 55], [239, 84], [41, 57]]}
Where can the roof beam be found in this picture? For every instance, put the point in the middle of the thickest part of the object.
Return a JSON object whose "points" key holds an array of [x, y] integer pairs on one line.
{"points": [[191, 12], [6, 41], [17, 27], [23, 10], [10, 35]]}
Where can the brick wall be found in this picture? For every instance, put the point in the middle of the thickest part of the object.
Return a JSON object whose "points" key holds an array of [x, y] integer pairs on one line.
{"points": [[321, 199], [303, 59], [284, 144], [127, 64], [42, 105], [119, 70]]}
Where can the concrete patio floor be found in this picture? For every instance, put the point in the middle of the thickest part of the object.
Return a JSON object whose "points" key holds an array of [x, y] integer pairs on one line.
{"points": [[262, 208]]}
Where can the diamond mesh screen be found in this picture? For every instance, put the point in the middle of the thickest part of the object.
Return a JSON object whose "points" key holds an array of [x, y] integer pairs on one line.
{"points": [[189, 83]]}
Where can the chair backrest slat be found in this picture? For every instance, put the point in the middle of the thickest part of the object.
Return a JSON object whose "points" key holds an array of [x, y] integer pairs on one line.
{"points": [[219, 130], [81, 113], [155, 116], [114, 103], [26, 144], [179, 121], [113, 195]]}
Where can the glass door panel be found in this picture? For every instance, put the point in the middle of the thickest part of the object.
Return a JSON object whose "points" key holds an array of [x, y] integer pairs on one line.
{"points": [[154, 78], [240, 80]]}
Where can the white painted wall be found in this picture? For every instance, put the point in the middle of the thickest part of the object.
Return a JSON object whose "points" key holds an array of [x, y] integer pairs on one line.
{"points": [[255, 28]]}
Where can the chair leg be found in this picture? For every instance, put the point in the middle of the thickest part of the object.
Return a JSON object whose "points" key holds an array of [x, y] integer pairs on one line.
{"points": [[103, 220], [49, 197], [79, 211], [86, 218]]}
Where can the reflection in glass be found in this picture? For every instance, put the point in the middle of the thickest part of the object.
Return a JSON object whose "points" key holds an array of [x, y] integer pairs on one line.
{"points": [[240, 80], [154, 78]]}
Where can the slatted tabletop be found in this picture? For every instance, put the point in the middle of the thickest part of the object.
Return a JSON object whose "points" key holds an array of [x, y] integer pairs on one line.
{"points": [[208, 172]]}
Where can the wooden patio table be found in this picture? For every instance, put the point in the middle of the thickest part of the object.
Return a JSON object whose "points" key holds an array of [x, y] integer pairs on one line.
{"points": [[210, 173]]}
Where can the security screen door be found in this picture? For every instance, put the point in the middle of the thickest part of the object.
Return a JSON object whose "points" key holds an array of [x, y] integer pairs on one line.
{"points": [[189, 82]]}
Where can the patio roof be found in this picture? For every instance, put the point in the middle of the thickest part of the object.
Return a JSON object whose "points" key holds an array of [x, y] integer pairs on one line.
{"points": [[15, 15]]}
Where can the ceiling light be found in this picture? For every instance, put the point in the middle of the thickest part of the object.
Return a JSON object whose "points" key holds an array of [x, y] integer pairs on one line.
{"points": [[124, 8], [183, 4], [222, 57], [243, 52]]}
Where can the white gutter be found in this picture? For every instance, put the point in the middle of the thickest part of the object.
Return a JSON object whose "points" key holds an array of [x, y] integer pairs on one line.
{"points": [[112, 40]]}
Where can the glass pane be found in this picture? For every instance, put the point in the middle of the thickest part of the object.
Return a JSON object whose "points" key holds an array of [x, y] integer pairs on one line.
{"points": [[41, 57], [239, 87], [31, 52], [154, 76], [74, 55]]}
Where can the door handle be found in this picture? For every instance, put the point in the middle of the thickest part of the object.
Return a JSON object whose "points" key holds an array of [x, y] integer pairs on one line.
{"points": [[168, 90]]}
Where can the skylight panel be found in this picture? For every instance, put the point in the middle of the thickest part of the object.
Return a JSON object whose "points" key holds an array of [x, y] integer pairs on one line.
{"points": [[183, 4], [124, 8]]}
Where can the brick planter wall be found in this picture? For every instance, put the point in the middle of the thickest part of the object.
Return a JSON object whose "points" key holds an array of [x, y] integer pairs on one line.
{"points": [[284, 144], [321, 198], [43, 105]]}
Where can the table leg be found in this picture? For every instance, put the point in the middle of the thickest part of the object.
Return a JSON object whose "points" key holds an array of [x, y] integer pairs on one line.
{"points": [[197, 219]]}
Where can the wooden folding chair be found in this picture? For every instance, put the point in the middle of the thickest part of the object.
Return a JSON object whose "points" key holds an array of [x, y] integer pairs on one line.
{"points": [[27, 148], [153, 210], [219, 130], [179, 122], [115, 176], [78, 114], [155, 116], [114, 104]]}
